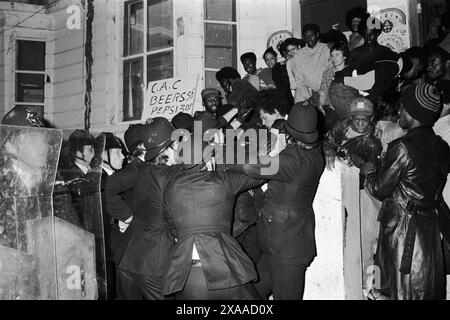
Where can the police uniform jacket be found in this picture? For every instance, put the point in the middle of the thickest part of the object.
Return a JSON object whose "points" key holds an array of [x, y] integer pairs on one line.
{"points": [[149, 241], [200, 207], [286, 227], [120, 204]]}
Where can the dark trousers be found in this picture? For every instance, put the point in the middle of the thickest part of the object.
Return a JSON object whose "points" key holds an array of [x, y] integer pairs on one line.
{"points": [[133, 286], [111, 277], [283, 278], [196, 289], [250, 243]]}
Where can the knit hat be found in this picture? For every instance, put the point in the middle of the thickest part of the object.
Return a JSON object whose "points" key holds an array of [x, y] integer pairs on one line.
{"points": [[423, 102], [361, 107]]}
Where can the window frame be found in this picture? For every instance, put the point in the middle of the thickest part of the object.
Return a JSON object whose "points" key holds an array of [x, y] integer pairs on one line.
{"points": [[144, 55], [16, 71], [234, 23]]}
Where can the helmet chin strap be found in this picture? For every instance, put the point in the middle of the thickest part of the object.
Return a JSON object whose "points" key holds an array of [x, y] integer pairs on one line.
{"points": [[109, 161], [81, 158]]}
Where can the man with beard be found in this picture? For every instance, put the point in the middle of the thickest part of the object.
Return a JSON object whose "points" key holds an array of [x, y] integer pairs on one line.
{"points": [[410, 183]]}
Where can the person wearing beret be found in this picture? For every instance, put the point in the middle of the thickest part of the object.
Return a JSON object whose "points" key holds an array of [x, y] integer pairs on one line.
{"points": [[413, 214]]}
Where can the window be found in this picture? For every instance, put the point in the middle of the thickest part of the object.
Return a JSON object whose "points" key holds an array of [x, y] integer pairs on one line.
{"points": [[220, 38], [148, 51], [30, 74]]}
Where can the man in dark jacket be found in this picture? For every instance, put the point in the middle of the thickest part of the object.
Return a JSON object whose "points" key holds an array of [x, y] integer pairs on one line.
{"points": [[207, 263], [142, 261], [112, 161], [286, 228], [353, 136], [410, 183], [239, 93]]}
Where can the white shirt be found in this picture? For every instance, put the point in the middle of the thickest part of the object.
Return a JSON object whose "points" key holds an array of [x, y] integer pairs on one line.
{"points": [[107, 169], [442, 128], [308, 67], [84, 168]]}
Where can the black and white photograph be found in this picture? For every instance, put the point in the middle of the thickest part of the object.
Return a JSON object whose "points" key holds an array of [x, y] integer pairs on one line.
{"points": [[206, 153]]}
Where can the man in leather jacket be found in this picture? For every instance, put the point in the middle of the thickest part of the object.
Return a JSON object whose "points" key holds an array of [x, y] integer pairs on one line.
{"points": [[353, 136], [410, 183]]}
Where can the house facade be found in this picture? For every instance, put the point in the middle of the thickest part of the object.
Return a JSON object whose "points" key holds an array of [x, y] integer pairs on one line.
{"points": [[61, 56], [66, 57]]}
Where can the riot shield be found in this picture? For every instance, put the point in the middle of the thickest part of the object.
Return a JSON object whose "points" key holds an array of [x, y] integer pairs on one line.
{"points": [[78, 198], [28, 160]]}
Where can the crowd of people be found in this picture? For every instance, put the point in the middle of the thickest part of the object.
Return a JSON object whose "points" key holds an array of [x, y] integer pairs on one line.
{"points": [[183, 226]]}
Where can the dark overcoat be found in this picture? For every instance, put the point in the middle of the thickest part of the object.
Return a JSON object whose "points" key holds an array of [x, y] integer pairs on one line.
{"points": [[410, 184]]}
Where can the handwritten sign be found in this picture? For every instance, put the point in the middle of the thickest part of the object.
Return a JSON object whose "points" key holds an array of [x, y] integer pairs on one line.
{"points": [[167, 97]]}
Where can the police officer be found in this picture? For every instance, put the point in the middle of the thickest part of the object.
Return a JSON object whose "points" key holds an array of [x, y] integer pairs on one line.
{"points": [[142, 262], [119, 188], [112, 159], [207, 263], [78, 175], [286, 227], [22, 116]]}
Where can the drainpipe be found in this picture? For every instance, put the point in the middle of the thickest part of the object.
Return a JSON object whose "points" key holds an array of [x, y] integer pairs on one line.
{"points": [[89, 7]]}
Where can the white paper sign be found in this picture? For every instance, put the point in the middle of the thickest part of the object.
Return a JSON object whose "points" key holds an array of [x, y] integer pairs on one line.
{"points": [[167, 97]]}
